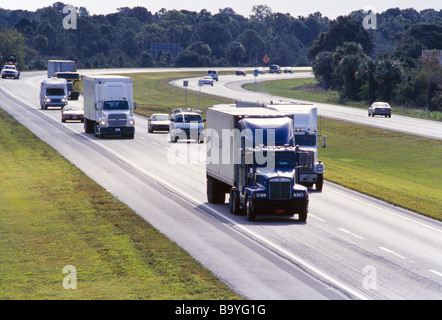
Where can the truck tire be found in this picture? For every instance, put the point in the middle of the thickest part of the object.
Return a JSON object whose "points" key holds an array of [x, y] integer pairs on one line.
{"points": [[234, 202], [320, 183], [250, 211], [303, 214], [215, 191]]}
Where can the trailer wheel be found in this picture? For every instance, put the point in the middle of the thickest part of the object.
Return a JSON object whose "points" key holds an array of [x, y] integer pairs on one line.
{"points": [[234, 202], [250, 210]]}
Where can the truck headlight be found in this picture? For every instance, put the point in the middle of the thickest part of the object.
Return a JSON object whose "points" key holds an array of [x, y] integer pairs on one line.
{"points": [[48, 100], [63, 100], [103, 123], [132, 122]]}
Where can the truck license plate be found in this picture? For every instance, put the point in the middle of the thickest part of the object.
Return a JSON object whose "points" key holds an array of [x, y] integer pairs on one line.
{"points": [[117, 129]]}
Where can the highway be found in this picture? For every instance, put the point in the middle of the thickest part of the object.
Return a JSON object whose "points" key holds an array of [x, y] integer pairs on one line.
{"points": [[352, 246], [231, 87]]}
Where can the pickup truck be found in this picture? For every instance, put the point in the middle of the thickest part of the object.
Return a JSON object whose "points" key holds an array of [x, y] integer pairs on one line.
{"points": [[10, 71]]}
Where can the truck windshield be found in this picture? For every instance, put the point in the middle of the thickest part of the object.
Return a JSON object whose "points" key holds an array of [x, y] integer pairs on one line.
{"points": [[192, 118], [305, 140], [55, 92], [115, 105], [280, 160]]}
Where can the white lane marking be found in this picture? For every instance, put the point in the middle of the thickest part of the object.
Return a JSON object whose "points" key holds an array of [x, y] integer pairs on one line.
{"points": [[316, 217], [386, 210], [436, 272], [392, 252], [351, 233]]}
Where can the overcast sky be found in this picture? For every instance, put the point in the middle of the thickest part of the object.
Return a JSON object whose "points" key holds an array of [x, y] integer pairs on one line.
{"points": [[329, 8]]}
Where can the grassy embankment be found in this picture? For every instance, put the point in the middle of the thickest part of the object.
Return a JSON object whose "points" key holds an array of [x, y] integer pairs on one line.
{"points": [[306, 89], [402, 169], [154, 94], [52, 215]]}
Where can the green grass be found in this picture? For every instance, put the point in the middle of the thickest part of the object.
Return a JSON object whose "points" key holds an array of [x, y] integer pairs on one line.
{"points": [[306, 89], [401, 169], [154, 94], [52, 215]]}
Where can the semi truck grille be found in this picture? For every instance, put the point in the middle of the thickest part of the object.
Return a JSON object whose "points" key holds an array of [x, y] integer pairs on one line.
{"points": [[306, 161], [116, 120], [280, 190]]}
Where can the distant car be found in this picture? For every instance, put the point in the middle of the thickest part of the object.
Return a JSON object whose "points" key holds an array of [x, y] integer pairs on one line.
{"points": [[158, 122], [207, 80], [241, 73], [72, 113], [213, 74], [260, 70], [10, 71], [289, 70], [275, 69], [379, 108]]}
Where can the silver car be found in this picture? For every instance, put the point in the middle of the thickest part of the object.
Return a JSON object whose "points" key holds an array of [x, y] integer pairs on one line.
{"points": [[379, 108], [158, 122]]}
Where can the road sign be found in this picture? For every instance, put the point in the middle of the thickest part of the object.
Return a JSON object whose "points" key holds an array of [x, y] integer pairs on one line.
{"points": [[266, 59]]}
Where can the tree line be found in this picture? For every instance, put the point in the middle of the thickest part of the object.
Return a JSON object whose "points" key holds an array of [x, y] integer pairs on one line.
{"points": [[382, 63]]}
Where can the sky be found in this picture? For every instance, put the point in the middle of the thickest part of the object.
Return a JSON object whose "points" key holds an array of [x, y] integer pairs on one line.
{"points": [[328, 8]]}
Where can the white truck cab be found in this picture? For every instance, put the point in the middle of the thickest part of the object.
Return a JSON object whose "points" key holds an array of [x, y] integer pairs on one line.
{"points": [[53, 93]]}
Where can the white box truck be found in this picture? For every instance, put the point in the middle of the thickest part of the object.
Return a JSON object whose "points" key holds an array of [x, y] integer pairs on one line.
{"points": [[305, 120], [108, 105], [55, 66], [250, 156]]}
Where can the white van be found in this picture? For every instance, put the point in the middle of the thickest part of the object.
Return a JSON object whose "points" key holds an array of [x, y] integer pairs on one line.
{"points": [[213, 74], [53, 93]]}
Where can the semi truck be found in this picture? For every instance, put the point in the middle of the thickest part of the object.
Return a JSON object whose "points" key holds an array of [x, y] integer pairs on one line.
{"points": [[55, 66], [305, 121], [108, 105], [251, 156], [74, 83]]}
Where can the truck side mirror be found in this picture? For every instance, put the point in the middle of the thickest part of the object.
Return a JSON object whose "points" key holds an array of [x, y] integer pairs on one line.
{"points": [[135, 105], [324, 142]]}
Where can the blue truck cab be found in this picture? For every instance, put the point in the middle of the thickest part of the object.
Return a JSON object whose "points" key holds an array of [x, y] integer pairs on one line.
{"points": [[262, 173]]}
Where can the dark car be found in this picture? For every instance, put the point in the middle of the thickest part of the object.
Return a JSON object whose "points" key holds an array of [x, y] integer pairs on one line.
{"points": [[158, 122], [379, 108], [275, 69], [241, 73]]}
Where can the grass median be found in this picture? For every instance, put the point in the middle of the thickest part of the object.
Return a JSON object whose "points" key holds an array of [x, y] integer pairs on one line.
{"points": [[52, 216]]}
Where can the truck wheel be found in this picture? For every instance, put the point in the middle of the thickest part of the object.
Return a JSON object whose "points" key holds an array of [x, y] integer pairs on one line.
{"points": [[234, 202], [97, 131], [320, 183], [251, 215], [303, 215]]}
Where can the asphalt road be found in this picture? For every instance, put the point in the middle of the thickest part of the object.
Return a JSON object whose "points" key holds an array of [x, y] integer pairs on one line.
{"points": [[352, 246]]}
